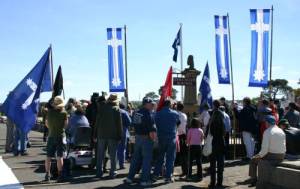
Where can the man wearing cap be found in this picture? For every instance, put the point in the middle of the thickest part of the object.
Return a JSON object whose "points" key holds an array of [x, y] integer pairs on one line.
{"points": [[166, 121], [145, 131], [57, 121], [293, 116], [292, 135], [109, 133], [273, 147]]}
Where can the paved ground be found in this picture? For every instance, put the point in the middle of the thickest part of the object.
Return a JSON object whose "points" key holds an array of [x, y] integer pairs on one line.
{"points": [[30, 171]]}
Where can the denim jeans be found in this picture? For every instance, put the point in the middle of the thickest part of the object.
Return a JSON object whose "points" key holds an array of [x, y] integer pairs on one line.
{"points": [[166, 151], [102, 145], [142, 155], [19, 141], [122, 151]]}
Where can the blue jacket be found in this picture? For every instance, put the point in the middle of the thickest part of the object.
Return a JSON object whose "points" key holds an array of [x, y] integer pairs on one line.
{"points": [[126, 121], [76, 121], [143, 122], [166, 122]]}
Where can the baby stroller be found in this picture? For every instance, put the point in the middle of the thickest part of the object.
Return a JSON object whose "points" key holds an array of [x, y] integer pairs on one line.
{"points": [[79, 151]]}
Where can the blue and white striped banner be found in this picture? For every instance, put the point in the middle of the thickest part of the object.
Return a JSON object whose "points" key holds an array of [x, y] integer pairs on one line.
{"points": [[115, 60], [222, 55], [260, 27]]}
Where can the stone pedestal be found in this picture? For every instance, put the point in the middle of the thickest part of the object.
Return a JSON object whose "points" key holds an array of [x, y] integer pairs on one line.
{"points": [[190, 91]]}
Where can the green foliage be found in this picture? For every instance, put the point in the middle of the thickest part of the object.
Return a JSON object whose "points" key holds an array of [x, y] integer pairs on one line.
{"points": [[152, 95], [278, 87], [136, 104], [174, 92], [297, 92]]}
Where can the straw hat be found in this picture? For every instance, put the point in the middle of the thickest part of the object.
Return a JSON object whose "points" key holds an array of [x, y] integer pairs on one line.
{"points": [[113, 98], [58, 102]]}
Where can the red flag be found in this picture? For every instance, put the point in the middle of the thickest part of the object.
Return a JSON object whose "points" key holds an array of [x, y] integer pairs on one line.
{"points": [[166, 90]]}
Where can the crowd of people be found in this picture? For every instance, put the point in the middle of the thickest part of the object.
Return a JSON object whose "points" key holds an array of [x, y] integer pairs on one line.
{"points": [[165, 136]]}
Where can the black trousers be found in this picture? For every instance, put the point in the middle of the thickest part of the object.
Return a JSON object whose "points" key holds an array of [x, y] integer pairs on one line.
{"points": [[183, 154], [227, 150], [195, 154], [216, 161]]}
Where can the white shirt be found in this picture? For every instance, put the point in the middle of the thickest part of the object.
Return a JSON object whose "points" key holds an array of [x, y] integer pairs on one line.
{"points": [[204, 118], [183, 121], [273, 141]]}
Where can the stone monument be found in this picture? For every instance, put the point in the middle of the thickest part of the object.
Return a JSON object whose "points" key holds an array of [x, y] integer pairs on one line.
{"points": [[190, 90]]}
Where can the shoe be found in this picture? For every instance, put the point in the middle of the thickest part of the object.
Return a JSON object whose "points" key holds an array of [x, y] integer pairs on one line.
{"points": [[145, 184], [47, 177], [100, 176], [253, 182], [112, 176], [154, 178], [169, 180], [60, 179], [121, 167], [16, 154], [220, 186], [24, 154], [128, 181]]}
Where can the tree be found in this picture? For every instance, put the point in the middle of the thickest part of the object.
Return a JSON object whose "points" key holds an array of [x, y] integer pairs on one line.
{"points": [[152, 95], [297, 92], [174, 92], [278, 87]]}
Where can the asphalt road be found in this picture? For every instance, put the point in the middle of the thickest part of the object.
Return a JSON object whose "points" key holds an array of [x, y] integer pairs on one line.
{"points": [[29, 170]]}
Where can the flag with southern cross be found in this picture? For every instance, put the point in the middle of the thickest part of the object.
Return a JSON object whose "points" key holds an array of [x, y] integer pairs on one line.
{"points": [[222, 55], [58, 85], [176, 43], [205, 90], [21, 105], [260, 27], [115, 60]]}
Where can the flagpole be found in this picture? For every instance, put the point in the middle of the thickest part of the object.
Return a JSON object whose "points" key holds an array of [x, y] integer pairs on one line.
{"points": [[181, 59], [232, 86], [51, 62], [271, 48], [126, 71]]}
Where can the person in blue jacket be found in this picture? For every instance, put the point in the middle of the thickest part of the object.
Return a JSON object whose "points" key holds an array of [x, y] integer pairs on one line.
{"points": [[126, 121]]}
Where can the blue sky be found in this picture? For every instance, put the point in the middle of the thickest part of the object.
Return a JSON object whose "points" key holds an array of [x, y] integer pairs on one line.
{"points": [[77, 31]]}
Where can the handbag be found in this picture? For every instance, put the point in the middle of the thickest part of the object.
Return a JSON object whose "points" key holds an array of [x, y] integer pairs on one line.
{"points": [[207, 148]]}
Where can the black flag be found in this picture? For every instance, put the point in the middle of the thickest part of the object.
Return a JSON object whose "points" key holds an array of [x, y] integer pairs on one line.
{"points": [[58, 83]]}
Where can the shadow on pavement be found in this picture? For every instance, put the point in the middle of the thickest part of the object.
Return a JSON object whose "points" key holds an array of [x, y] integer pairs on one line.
{"points": [[236, 163]]}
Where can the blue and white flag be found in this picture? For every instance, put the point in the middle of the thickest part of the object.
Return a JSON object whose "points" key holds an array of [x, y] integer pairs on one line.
{"points": [[205, 90], [21, 105], [222, 55], [176, 43], [115, 60], [260, 27]]}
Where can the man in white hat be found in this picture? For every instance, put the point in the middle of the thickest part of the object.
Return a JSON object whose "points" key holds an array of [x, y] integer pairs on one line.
{"points": [[57, 121]]}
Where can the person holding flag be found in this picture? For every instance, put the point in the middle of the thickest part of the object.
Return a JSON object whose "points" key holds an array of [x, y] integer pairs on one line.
{"points": [[21, 105]]}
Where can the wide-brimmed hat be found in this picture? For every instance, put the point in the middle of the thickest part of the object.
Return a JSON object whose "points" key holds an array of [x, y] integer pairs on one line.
{"points": [[284, 122], [58, 102], [113, 98]]}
